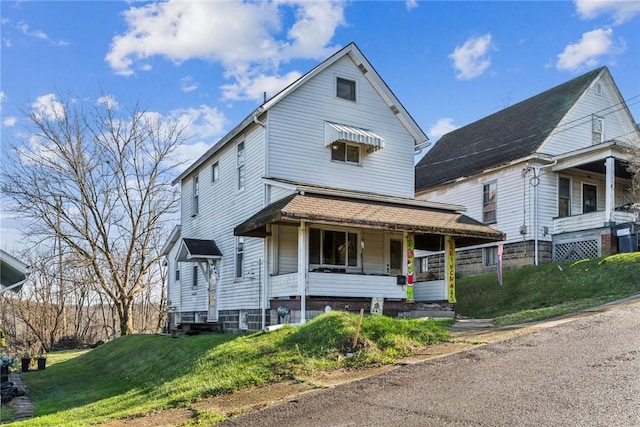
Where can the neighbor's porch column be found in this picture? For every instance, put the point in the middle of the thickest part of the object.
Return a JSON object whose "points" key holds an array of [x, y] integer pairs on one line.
{"points": [[302, 270], [450, 268], [610, 187]]}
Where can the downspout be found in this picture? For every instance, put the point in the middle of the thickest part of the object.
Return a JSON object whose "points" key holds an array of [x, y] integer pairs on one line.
{"points": [[535, 181]]}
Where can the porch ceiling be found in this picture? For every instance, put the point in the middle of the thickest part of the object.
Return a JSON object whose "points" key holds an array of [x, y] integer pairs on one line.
{"points": [[428, 224], [621, 170]]}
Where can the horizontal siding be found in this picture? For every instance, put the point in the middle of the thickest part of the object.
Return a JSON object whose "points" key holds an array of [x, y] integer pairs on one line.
{"points": [[435, 290], [297, 148], [354, 285]]}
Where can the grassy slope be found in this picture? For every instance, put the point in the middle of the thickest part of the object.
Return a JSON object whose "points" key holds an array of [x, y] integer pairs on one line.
{"points": [[137, 374], [535, 293]]}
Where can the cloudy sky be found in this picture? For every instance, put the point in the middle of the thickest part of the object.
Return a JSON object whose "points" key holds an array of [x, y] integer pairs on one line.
{"points": [[450, 63]]}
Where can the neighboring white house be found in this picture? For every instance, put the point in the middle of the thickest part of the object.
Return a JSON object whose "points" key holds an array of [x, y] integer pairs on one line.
{"points": [[309, 203], [549, 171]]}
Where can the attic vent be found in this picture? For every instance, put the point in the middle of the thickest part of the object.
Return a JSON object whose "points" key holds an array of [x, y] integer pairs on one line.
{"points": [[363, 68], [394, 109]]}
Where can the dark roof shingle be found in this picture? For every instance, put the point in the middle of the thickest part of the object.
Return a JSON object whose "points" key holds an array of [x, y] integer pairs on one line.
{"points": [[509, 134]]}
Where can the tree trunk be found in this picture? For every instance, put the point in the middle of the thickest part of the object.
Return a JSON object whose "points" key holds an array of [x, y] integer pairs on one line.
{"points": [[125, 311]]}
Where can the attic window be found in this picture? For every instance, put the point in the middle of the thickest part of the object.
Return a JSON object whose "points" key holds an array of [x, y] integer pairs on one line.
{"points": [[598, 88], [346, 89]]}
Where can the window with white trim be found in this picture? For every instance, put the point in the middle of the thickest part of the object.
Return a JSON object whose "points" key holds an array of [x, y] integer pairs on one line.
{"points": [[177, 275], [597, 129], [345, 89], [333, 248], [345, 152], [490, 256], [240, 170], [239, 255], [194, 276], [489, 193], [564, 196], [215, 172], [195, 205]]}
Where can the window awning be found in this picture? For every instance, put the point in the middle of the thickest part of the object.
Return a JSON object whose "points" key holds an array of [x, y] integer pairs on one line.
{"points": [[192, 250], [431, 223], [343, 133]]}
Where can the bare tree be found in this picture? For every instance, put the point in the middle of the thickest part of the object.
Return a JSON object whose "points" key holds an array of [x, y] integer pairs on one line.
{"points": [[100, 181], [634, 168]]}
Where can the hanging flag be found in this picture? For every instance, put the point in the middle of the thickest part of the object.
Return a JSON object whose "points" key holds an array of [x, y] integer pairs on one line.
{"points": [[499, 263], [450, 268], [410, 267]]}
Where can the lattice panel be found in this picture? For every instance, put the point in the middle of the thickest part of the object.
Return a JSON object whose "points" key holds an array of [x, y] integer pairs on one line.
{"points": [[575, 251]]}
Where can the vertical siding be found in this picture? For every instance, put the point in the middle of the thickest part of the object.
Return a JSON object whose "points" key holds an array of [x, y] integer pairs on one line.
{"points": [[297, 148]]}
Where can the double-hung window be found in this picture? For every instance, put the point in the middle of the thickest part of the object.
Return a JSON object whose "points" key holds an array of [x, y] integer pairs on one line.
{"points": [[489, 194], [215, 172], [564, 196], [240, 167], [239, 255], [194, 276], [196, 194], [333, 248], [597, 129]]}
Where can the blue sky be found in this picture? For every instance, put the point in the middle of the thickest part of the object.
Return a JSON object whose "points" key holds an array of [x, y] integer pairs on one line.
{"points": [[450, 63]]}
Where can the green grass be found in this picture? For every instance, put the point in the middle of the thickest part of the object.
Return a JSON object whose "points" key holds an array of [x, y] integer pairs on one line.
{"points": [[138, 374], [549, 290]]}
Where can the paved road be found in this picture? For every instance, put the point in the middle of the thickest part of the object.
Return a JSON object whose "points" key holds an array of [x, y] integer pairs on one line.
{"points": [[582, 373]]}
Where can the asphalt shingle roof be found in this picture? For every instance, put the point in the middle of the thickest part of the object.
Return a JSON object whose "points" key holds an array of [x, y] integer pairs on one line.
{"points": [[509, 134]]}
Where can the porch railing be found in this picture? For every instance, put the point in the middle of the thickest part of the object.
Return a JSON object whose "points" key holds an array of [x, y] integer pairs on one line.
{"points": [[589, 221]]}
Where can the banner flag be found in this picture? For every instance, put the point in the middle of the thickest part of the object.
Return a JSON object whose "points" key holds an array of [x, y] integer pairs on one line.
{"points": [[450, 266], [410, 266], [499, 263]]}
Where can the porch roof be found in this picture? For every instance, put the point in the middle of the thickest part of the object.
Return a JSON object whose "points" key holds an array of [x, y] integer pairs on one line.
{"points": [[428, 224], [194, 249]]}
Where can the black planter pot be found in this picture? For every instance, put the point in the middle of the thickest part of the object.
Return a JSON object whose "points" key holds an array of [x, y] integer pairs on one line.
{"points": [[26, 361], [42, 363], [4, 374]]}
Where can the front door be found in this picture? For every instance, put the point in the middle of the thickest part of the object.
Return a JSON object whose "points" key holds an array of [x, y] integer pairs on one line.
{"points": [[395, 257]]}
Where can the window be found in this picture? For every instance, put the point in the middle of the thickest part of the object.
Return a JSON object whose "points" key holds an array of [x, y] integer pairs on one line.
{"points": [[240, 165], [489, 203], [194, 277], [598, 88], [490, 256], [196, 193], [177, 275], [239, 255], [564, 196], [215, 172], [328, 247], [346, 89], [589, 198], [343, 152], [597, 129]]}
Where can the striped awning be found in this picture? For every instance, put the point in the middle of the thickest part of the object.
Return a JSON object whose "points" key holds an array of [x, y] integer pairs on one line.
{"points": [[343, 133]]}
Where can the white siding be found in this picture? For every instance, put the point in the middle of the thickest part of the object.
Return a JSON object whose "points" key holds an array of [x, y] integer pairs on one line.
{"points": [[296, 137], [574, 131], [287, 249]]}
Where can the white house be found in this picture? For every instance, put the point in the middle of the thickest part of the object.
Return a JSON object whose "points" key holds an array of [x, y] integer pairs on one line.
{"points": [[309, 203], [549, 171]]}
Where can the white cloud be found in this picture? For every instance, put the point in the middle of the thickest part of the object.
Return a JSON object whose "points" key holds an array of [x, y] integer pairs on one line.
{"points": [[253, 88], [47, 107], [621, 11], [471, 59], [189, 153], [9, 121], [204, 122], [411, 4], [586, 52], [109, 101], [188, 84], [247, 38], [441, 127], [41, 35]]}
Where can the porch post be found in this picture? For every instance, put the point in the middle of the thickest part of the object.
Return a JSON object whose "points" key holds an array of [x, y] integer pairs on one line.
{"points": [[610, 186], [450, 268], [302, 270]]}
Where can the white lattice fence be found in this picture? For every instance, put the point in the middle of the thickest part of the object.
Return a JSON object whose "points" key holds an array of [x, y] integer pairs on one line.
{"points": [[576, 250]]}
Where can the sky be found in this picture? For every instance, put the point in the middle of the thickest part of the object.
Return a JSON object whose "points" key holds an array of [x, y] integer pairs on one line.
{"points": [[450, 63]]}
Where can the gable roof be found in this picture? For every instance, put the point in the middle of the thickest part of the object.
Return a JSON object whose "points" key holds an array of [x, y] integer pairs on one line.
{"points": [[510, 134], [367, 70]]}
